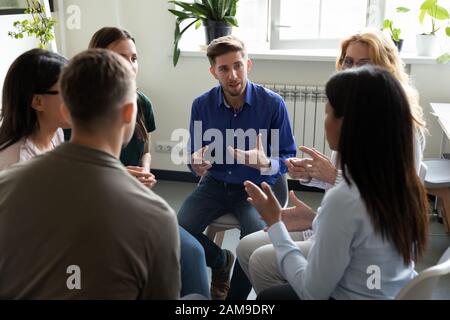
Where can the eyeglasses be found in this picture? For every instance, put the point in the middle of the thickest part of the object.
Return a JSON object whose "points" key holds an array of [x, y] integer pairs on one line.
{"points": [[348, 62], [50, 92]]}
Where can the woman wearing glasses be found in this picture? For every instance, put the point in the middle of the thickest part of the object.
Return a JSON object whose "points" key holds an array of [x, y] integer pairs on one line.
{"points": [[368, 47], [31, 118]]}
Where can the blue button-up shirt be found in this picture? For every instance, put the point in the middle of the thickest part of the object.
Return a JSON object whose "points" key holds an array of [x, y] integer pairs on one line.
{"points": [[215, 122]]}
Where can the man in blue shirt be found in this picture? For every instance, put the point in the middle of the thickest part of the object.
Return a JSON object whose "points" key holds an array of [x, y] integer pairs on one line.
{"points": [[239, 131]]}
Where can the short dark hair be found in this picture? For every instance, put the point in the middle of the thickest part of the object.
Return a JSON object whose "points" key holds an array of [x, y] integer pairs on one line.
{"points": [[94, 85], [376, 151], [33, 72], [224, 45], [107, 35]]}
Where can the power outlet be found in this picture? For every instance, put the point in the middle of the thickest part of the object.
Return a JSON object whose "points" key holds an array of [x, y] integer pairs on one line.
{"points": [[164, 147]]}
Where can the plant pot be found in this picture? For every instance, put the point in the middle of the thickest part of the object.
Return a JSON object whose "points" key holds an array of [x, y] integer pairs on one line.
{"points": [[399, 44], [426, 44], [216, 29]]}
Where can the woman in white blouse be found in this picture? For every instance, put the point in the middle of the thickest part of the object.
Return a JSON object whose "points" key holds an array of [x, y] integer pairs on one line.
{"points": [[372, 225], [367, 47], [31, 119]]}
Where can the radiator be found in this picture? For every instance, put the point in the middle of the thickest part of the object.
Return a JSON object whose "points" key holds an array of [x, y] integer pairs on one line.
{"points": [[306, 108]]}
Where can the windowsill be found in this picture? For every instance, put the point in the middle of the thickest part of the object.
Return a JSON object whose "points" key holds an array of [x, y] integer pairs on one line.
{"points": [[328, 55]]}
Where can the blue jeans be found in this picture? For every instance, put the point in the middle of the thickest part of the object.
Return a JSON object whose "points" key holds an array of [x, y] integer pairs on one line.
{"points": [[194, 274], [209, 201]]}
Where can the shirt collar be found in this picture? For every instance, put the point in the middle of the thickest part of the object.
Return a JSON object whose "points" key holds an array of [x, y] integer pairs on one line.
{"points": [[248, 95]]}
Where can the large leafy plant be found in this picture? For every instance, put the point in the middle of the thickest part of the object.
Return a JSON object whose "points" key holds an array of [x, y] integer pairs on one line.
{"points": [[200, 11], [38, 26], [435, 12]]}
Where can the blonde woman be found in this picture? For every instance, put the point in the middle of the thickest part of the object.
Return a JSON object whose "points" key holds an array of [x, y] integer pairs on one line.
{"points": [[367, 47]]}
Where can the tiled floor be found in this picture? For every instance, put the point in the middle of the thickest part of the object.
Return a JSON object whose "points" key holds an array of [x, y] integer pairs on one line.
{"points": [[176, 192]]}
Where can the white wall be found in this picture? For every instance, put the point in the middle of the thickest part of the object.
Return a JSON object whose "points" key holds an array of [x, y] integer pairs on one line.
{"points": [[11, 48], [173, 89]]}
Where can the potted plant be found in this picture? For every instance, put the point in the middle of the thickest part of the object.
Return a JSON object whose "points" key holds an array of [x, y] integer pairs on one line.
{"points": [[395, 32], [426, 42], [218, 17], [39, 26]]}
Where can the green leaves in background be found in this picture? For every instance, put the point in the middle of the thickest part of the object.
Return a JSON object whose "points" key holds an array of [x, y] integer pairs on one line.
{"points": [[199, 11], [38, 26], [435, 12]]}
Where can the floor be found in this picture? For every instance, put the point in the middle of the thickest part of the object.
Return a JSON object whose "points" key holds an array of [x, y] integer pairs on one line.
{"points": [[175, 193]]}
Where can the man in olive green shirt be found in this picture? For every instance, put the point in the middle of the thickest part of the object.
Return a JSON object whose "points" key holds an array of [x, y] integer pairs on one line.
{"points": [[74, 224]]}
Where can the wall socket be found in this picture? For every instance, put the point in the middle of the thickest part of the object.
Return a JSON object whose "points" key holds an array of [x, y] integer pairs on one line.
{"points": [[164, 147]]}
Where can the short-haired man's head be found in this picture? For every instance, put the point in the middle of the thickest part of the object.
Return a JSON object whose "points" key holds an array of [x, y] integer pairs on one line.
{"points": [[95, 85], [224, 45]]}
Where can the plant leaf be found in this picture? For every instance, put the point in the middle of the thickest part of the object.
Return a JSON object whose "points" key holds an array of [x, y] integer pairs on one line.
{"points": [[396, 34], [176, 55], [221, 4], [180, 14], [402, 9], [231, 20], [428, 4], [444, 58], [233, 8], [387, 24], [439, 13], [422, 16], [191, 8]]}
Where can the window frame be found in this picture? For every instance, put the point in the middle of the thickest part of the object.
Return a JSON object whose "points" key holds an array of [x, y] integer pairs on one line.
{"points": [[372, 20]]}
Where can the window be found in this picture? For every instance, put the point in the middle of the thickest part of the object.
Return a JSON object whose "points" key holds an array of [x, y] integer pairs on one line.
{"points": [[318, 24], [315, 23], [252, 16]]}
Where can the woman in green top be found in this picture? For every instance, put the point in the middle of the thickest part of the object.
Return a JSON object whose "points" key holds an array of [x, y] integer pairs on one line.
{"points": [[136, 155]]}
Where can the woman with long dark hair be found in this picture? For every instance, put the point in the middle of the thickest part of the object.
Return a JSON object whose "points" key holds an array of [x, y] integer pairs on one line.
{"points": [[31, 119], [371, 225], [136, 155]]}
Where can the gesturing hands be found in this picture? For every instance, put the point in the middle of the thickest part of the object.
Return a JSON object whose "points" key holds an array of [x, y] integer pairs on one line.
{"points": [[198, 163], [264, 201], [143, 175], [319, 167], [296, 218], [299, 217], [255, 158], [298, 169]]}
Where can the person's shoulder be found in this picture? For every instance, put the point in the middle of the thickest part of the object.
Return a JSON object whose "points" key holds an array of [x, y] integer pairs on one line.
{"points": [[10, 155], [142, 195], [143, 99], [264, 92], [343, 199], [146, 206], [207, 97]]}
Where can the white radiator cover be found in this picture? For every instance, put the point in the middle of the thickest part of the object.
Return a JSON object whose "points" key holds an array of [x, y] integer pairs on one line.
{"points": [[306, 108]]}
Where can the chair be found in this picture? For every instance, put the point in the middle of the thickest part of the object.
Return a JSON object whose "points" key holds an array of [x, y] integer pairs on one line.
{"points": [[422, 286], [216, 230], [437, 182]]}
